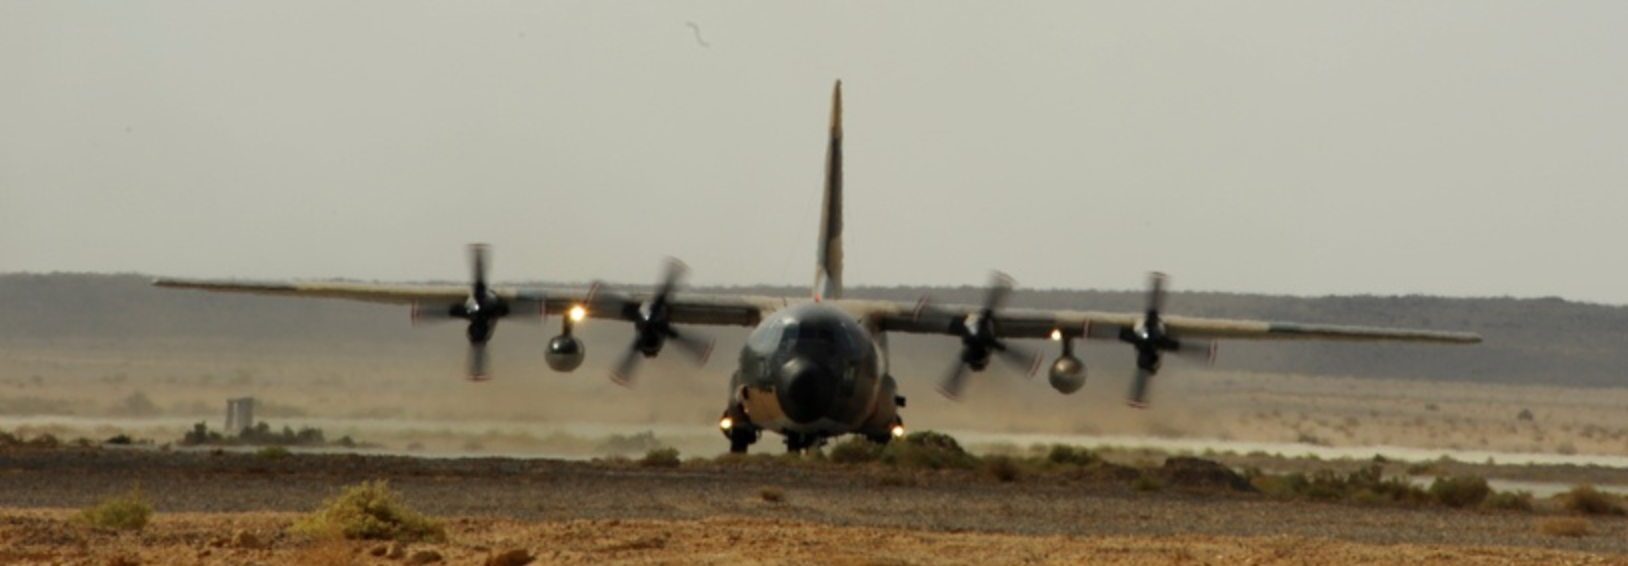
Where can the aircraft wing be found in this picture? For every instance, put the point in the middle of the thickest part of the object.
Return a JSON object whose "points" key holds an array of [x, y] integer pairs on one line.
{"points": [[686, 309], [706, 310], [1038, 323], [366, 292]]}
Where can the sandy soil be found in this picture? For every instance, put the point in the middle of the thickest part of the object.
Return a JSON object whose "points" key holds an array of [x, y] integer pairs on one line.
{"points": [[235, 509], [44, 537]]}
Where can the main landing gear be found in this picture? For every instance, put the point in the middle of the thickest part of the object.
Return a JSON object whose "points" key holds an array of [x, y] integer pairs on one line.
{"points": [[797, 443]]}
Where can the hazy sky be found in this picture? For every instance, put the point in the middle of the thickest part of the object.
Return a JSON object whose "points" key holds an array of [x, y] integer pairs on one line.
{"points": [[1456, 148]]}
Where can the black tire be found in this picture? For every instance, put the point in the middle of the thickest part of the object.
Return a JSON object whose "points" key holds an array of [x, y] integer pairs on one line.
{"points": [[740, 438]]}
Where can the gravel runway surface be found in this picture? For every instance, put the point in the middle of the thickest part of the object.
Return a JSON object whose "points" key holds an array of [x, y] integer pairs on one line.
{"points": [[540, 501]]}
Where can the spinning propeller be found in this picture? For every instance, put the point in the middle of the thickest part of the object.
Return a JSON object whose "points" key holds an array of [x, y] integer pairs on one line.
{"points": [[482, 309], [1151, 342], [979, 340], [653, 327]]}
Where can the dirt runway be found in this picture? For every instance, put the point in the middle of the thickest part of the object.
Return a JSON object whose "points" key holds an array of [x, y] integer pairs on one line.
{"points": [[718, 513]]}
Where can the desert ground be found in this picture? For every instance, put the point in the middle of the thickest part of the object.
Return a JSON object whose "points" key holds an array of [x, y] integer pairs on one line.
{"points": [[237, 508]]}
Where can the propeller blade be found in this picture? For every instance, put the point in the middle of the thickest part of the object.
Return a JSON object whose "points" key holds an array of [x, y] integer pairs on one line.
{"points": [[926, 310], [954, 381], [479, 258], [1000, 287], [1156, 291], [1139, 389], [478, 365], [1020, 358], [675, 273], [622, 373], [700, 349]]}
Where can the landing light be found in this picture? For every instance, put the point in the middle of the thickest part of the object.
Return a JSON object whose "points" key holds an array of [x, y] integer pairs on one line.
{"points": [[1056, 335], [578, 313], [726, 423], [898, 431]]}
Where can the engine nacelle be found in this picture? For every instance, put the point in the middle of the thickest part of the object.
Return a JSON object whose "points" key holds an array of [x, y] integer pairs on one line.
{"points": [[565, 353], [1067, 374]]}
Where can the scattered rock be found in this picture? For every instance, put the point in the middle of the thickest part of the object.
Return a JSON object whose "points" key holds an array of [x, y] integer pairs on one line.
{"points": [[423, 557], [513, 557], [397, 550], [123, 560], [378, 550]]}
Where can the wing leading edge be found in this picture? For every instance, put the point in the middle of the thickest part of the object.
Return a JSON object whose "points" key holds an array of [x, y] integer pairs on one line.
{"points": [[1039, 324], [715, 310]]}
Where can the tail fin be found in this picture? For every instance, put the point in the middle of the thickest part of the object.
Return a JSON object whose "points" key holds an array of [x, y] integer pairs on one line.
{"points": [[828, 270]]}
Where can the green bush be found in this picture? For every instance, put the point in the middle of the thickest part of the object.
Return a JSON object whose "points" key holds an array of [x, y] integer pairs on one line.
{"points": [[1586, 500], [128, 512], [1367, 486], [1071, 455], [273, 453], [661, 458], [1508, 501], [856, 450], [1460, 491], [369, 511], [927, 450]]}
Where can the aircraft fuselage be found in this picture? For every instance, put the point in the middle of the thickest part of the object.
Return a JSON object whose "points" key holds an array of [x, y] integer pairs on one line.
{"points": [[811, 371]]}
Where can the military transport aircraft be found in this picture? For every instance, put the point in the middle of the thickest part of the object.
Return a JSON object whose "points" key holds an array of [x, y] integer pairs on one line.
{"points": [[816, 368]]}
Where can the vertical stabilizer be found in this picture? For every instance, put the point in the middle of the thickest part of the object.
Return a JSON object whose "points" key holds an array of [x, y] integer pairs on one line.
{"points": [[828, 268]]}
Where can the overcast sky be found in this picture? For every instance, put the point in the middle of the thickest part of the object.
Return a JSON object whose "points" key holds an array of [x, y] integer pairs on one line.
{"points": [[1453, 148]]}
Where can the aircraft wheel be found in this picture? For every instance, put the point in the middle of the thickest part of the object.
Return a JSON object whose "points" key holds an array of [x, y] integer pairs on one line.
{"points": [[740, 438]]}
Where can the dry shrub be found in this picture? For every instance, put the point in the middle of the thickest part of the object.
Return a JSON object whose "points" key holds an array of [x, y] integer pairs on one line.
{"points": [[1147, 483], [1586, 500], [127, 512], [1460, 491], [855, 450], [928, 450], [1063, 454], [771, 494], [370, 511], [273, 453], [1508, 501], [1564, 526], [1002, 468], [661, 458]]}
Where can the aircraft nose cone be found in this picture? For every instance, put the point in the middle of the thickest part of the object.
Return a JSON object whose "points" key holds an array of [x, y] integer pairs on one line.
{"points": [[805, 390]]}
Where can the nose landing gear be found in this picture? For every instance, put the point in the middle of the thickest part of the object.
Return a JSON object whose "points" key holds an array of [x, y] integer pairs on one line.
{"points": [[738, 429]]}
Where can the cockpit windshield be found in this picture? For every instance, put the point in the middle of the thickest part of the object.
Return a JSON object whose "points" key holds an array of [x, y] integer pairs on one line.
{"points": [[809, 333]]}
